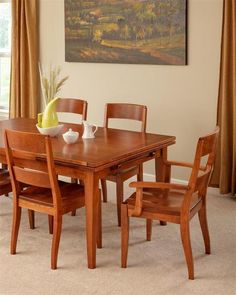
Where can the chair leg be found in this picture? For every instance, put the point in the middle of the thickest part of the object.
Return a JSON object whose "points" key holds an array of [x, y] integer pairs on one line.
{"points": [[149, 229], [124, 235], [50, 224], [99, 229], [57, 225], [119, 198], [185, 236], [204, 227], [15, 228], [73, 213], [74, 180], [104, 190], [31, 218]]}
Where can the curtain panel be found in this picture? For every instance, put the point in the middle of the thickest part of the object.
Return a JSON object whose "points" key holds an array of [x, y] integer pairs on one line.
{"points": [[24, 88], [224, 174]]}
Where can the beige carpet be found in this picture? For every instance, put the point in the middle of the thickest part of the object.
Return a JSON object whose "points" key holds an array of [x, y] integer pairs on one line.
{"points": [[156, 267]]}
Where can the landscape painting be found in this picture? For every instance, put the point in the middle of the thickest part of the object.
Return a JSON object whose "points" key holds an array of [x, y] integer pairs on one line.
{"points": [[126, 31]]}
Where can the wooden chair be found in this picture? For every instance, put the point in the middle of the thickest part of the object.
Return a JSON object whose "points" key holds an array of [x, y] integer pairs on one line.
{"points": [[131, 112], [73, 106], [44, 193], [174, 203]]}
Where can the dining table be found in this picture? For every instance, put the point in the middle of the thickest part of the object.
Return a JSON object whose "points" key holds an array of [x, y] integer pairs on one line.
{"points": [[93, 159]]}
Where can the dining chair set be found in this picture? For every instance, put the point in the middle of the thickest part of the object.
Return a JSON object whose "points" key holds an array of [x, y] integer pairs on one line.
{"points": [[42, 191]]}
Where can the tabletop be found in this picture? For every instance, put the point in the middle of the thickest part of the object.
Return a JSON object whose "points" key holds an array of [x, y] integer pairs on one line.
{"points": [[109, 147]]}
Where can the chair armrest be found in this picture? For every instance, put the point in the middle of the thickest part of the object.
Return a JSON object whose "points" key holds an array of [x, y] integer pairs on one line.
{"points": [[138, 207], [178, 163], [183, 164], [161, 185]]}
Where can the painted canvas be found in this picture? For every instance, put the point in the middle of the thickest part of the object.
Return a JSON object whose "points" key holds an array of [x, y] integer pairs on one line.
{"points": [[126, 31]]}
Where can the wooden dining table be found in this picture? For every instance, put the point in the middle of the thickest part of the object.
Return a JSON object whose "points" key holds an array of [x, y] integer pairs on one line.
{"points": [[93, 159]]}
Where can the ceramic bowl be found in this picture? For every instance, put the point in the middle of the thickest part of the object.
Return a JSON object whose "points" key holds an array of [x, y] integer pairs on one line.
{"points": [[51, 131]]}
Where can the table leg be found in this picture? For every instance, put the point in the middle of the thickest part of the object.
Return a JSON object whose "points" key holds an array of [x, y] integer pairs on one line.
{"points": [[161, 172], [91, 204], [160, 168]]}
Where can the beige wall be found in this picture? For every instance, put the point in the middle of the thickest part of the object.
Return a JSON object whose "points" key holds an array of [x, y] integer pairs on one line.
{"points": [[181, 100]]}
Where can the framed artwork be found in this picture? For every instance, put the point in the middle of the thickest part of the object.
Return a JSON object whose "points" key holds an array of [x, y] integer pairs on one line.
{"points": [[126, 31]]}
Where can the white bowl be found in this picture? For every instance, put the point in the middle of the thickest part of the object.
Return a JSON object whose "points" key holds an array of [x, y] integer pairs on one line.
{"points": [[70, 136], [51, 131]]}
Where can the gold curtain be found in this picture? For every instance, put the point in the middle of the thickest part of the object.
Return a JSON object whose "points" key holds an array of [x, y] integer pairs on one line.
{"points": [[224, 174], [24, 89]]}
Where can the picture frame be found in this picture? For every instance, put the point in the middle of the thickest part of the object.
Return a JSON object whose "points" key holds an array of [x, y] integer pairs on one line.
{"points": [[127, 32]]}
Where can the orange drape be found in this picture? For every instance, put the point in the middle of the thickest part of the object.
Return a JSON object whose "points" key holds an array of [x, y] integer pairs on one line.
{"points": [[24, 89], [224, 174]]}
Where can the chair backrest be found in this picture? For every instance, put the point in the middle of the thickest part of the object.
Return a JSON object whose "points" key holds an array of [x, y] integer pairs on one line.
{"points": [[23, 148], [72, 105], [126, 111], [205, 151]]}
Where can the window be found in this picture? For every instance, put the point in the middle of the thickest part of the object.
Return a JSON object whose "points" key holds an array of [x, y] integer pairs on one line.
{"points": [[5, 53]]}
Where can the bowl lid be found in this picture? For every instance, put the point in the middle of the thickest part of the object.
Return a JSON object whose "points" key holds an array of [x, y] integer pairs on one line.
{"points": [[70, 132]]}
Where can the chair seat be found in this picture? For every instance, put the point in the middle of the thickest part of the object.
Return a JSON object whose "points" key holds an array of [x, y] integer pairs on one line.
{"points": [[72, 195], [158, 202]]}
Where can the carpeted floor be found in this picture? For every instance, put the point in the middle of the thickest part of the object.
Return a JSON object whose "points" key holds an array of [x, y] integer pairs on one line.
{"points": [[156, 267]]}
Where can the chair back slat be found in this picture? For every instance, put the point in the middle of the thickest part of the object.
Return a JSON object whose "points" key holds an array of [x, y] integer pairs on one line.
{"points": [[72, 105], [32, 177], [25, 143], [126, 111], [208, 144], [200, 175]]}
